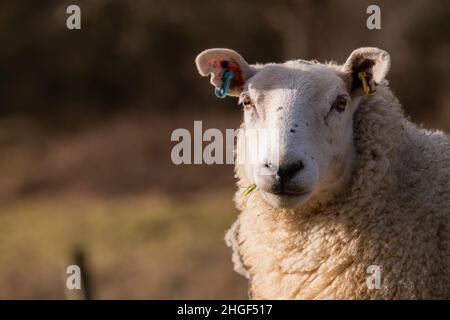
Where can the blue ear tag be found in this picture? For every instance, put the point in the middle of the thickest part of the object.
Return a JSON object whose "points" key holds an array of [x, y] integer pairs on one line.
{"points": [[222, 92]]}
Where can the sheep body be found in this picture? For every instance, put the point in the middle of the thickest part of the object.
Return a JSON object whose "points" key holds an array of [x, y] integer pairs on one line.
{"points": [[393, 213]]}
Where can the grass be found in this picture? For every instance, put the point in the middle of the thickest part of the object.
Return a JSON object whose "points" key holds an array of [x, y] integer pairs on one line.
{"points": [[143, 247], [249, 190]]}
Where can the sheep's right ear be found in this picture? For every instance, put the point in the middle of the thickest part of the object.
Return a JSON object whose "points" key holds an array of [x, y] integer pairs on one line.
{"points": [[217, 61]]}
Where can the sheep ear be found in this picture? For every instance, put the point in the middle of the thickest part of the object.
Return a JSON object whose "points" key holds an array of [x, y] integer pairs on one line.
{"points": [[374, 62], [217, 61]]}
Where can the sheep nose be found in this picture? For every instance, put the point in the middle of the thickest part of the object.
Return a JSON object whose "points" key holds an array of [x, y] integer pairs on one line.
{"points": [[288, 171]]}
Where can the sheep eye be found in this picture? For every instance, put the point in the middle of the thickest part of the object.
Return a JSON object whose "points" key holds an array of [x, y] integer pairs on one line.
{"points": [[246, 101], [340, 103]]}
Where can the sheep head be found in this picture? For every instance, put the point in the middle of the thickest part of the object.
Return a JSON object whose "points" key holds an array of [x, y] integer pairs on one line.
{"points": [[310, 106]]}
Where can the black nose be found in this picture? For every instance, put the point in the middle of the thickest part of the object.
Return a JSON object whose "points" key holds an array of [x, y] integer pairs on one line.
{"points": [[287, 172]]}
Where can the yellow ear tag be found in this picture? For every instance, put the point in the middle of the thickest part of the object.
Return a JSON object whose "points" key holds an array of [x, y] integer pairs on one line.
{"points": [[363, 77]]}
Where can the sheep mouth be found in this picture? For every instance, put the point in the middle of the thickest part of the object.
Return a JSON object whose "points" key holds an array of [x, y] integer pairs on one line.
{"points": [[286, 199], [282, 191], [290, 193]]}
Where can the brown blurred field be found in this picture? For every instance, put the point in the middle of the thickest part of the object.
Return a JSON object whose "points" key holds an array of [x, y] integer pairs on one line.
{"points": [[102, 190], [86, 118], [145, 247]]}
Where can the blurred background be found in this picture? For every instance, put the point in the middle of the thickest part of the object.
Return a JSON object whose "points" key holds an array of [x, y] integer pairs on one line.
{"points": [[86, 118]]}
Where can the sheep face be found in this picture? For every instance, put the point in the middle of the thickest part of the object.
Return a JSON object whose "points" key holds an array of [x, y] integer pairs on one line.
{"points": [[309, 107]]}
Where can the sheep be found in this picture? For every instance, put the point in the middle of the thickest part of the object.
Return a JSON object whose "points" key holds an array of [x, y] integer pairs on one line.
{"points": [[354, 187]]}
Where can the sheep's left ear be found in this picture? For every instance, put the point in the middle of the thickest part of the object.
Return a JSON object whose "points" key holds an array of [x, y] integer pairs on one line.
{"points": [[375, 64], [217, 61]]}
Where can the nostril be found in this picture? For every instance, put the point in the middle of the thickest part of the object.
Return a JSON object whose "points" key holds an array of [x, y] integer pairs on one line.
{"points": [[288, 171], [293, 168]]}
